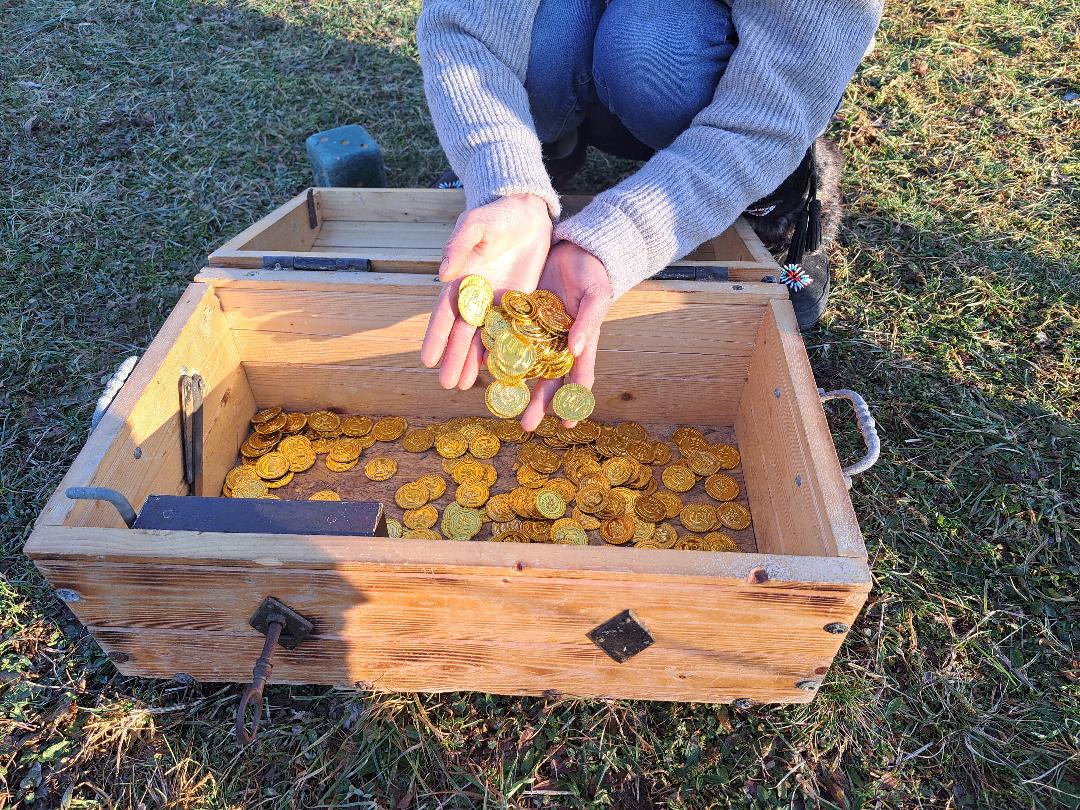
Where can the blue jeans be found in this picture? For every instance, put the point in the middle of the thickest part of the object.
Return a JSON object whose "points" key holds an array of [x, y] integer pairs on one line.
{"points": [[634, 73]]}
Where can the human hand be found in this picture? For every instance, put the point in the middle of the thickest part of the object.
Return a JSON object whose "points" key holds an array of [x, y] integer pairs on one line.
{"points": [[581, 281], [506, 242]]}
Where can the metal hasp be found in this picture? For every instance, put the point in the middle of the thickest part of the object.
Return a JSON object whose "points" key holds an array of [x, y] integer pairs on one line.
{"points": [[281, 625], [622, 637], [192, 390], [123, 506]]}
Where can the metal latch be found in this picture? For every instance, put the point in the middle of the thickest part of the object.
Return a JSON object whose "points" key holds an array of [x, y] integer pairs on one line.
{"points": [[306, 262], [281, 625], [693, 272]]}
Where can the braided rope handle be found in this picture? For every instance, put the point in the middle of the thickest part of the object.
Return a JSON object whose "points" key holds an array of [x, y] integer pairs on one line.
{"points": [[112, 388], [867, 427]]}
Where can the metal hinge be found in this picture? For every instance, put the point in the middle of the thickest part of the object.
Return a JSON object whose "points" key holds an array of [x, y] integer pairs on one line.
{"points": [[343, 263], [689, 272]]}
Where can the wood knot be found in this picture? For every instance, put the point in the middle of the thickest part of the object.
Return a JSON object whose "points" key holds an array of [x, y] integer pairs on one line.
{"points": [[519, 566], [626, 396], [757, 576]]}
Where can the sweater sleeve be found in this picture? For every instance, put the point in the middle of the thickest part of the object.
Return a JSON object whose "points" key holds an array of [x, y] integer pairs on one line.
{"points": [[779, 91], [474, 55]]}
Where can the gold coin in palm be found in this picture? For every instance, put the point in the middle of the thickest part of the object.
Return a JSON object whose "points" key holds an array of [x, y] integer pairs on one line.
{"points": [[474, 299], [514, 354]]}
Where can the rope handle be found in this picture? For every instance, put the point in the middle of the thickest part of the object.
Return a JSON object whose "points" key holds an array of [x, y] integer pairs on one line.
{"points": [[867, 427]]}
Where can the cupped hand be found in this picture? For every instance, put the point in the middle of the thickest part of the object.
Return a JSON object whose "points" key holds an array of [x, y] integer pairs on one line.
{"points": [[506, 242], [581, 281]]}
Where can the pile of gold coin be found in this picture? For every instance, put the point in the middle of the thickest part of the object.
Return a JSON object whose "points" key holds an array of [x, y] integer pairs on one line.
{"points": [[612, 480], [525, 337]]}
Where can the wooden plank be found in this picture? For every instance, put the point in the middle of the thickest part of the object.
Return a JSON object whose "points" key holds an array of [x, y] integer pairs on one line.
{"points": [[416, 392], [284, 228], [417, 663], [136, 446], [794, 483], [655, 326], [752, 245], [439, 616], [814, 434], [309, 552], [686, 292]]}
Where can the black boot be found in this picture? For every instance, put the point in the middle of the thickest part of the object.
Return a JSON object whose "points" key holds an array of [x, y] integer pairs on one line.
{"points": [[805, 212]]}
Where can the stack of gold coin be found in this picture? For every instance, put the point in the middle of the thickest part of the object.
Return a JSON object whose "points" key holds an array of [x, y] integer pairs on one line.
{"points": [[612, 479], [526, 339]]}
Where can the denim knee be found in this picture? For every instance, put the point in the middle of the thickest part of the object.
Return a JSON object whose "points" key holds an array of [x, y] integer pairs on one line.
{"points": [[656, 64], [559, 77]]}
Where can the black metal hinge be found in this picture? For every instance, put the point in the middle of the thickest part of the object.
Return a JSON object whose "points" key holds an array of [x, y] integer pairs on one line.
{"points": [[689, 272], [343, 263]]}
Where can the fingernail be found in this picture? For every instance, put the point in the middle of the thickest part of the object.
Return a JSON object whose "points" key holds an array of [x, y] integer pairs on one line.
{"points": [[579, 346]]}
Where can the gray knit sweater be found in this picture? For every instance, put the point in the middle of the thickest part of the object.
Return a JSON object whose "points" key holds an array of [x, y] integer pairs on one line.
{"points": [[785, 78]]}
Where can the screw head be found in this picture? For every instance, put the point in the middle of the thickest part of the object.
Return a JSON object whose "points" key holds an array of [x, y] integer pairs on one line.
{"points": [[808, 685], [68, 595], [838, 628], [742, 703]]}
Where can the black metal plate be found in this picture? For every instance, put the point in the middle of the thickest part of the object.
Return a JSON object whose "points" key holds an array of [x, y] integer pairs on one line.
{"points": [[622, 637], [296, 628], [187, 513]]}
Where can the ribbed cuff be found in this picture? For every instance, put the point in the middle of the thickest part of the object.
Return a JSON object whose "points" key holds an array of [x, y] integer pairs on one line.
{"points": [[497, 170], [611, 236]]}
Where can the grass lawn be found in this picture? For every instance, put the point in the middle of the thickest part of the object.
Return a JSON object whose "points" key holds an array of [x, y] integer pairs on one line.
{"points": [[136, 136]]}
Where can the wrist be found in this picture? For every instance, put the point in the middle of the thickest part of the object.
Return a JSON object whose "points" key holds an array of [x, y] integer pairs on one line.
{"points": [[537, 206]]}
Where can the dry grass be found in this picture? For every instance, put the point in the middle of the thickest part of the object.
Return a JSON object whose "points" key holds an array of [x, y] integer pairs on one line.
{"points": [[136, 136]]}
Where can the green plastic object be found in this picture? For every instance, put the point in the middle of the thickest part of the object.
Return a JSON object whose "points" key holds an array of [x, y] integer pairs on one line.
{"points": [[346, 157]]}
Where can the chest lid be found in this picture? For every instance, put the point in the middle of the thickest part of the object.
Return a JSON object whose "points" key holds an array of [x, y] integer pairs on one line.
{"points": [[389, 230]]}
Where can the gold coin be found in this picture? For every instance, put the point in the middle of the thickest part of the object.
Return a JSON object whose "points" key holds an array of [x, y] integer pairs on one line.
{"points": [[260, 442], [295, 444], [389, 428], [356, 426], [564, 488], [729, 456], [338, 467], [643, 530], [412, 495], [345, 450], [435, 484], [550, 504], [265, 415], [484, 444], [469, 471], [423, 517], [272, 466], [528, 477], [698, 517], [618, 531], [632, 431], [618, 470], [661, 453], [499, 508], [678, 478], [512, 432], [251, 489], [718, 541], [237, 475], [507, 401], [703, 462], [418, 440], [474, 298], [500, 374], [324, 495], [588, 522], [672, 503], [548, 426], [461, 523], [511, 537], [734, 515], [691, 542], [295, 422], [515, 355], [421, 534], [573, 402], [650, 509], [517, 305], [365, 441], [550, 311], [273, 425], [451, 444], [280, 482], [722, 487], [568, 532], [322, 446], [472, 495], [665, 536], [299, 461], [324, 421], [539, 458], [394, 528], [380, 469]]}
